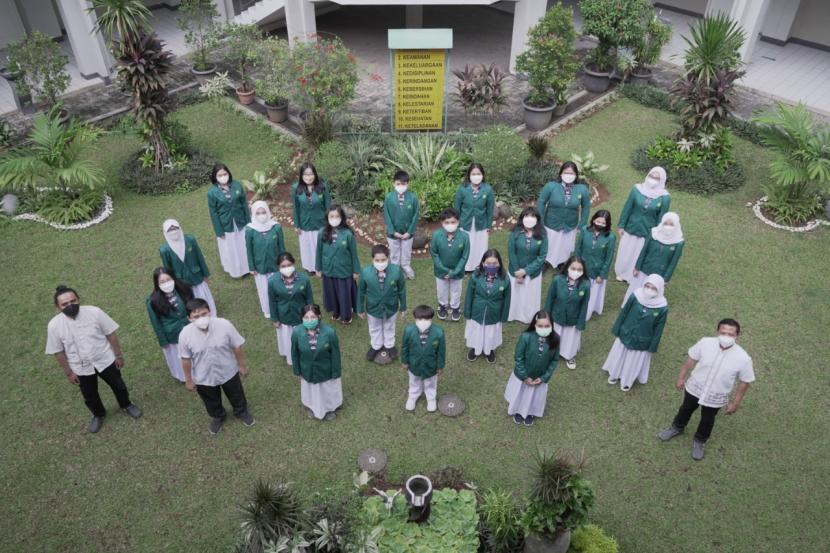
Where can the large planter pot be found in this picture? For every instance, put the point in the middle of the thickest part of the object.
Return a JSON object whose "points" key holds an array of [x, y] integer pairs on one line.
{"points": [[640, 76], [245, 98], [537, 543], [277, 113], [537, 119], [596, 81], [204, 74], [560, 109]]}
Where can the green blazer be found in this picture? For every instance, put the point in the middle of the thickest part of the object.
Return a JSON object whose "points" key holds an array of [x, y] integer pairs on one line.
{"points": [[597, 257], [480, 208], [338, 259], [568, 308], [286, 306], [263, 250], [520, 256], [225, 212], [446, 258], [656, 257], [640, 328], [402, 219], [485, 307], [424, 360], [532, 363], [310, 216], [385, 303], [559, 215], [193, 270], [637, 218], [320, 365], [167, 327]]}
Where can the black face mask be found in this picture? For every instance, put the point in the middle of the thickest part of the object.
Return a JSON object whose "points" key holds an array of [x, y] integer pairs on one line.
{"points": [[71, 310], [600, 227]]}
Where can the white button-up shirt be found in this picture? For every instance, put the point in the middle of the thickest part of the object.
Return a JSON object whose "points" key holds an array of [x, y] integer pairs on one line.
{"points": [[83, 339], [213, 361], [716, 370]]}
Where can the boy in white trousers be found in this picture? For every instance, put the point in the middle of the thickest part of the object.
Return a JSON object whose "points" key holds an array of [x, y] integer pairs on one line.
{"points": [[401, 212], [423, 352], [449, 249], [381, 293]]}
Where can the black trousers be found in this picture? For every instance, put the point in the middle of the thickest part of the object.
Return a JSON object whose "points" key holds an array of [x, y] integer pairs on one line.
{"points": [[707, 416], [89, 389], [212, 397]]}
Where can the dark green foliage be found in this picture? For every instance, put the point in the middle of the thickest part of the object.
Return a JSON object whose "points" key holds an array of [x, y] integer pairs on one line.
{"points": [[525, 183], [705, 178], [501, 152], [181, 178], [560, 497], [500, 521], [63, 207], [649, 96], [272, 510], [592, 539], [538, 147]]}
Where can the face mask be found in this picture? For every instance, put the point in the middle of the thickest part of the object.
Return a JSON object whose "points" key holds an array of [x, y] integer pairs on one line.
{"points": [[71, 310], [451, 228], [423, 324], [264, 218], [334, 221], [476, 179], [599, 227], [174, 235], [529, 222], [652, 182], [310, 324], [167, 287], [568, 178], [308, 179], [574, 274], [491, 269], [726, 341], [222, 179], [287, 271], [202, 322], [400, 188], [544, 331], [650, 292], [381, 266], [668, 228]]}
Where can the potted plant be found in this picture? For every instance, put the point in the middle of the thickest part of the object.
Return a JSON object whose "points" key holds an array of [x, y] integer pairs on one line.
{"points": [[198, 21], [242, 42], [549, 63], [273, 63], [559, 500], [656, 34], [39, 68]]}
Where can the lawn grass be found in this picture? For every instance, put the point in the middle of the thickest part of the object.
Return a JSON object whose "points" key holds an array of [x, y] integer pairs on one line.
{"points": [[163, 484]]}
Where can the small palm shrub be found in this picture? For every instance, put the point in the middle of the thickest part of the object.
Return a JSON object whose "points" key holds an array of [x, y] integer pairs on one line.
{"points": [[423, 156], [272, 511], [500, 518]]}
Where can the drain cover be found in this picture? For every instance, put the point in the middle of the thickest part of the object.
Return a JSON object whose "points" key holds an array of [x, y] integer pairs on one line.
{"points": [[450, 405], [372, 460]]}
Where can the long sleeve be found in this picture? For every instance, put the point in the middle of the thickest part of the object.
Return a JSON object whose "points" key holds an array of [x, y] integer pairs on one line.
{"points": [[578, 244], [664, 207], [200, 258], [413, 224], [273, 303], [550, 299], [658, 330], [512, 254], [436, 257], [615, 330], [643, 254], [335, 355], [326, 197], [458, 200], [387, 217], [362, 293], [458, 271], [519, 368], [678, 251], [402, 294], [318, 259], [295, 205], [468, 298], [505, 304], [626, 211], [554, 360], [441, 357], [156, 324], [609, 255], [243, 203], [249, 246], [165, 260], [537, 263], [353, 252], [405, 347], [280, 241], [295, 354], [309, 293], [583, 306], [543, 201], [214, 216], [586, 208], [489, 208]]}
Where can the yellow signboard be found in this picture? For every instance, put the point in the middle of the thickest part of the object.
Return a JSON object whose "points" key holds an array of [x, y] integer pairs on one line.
{"points": [[419, 89]]}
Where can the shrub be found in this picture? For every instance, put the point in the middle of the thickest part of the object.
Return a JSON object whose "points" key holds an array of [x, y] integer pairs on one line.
{"points": [[191, 174], [526, 183], [649, 96], [422, 155], [587, 165], [198, 21], [698, 178], [614, 23], [39, 65], [241, 43], [324, 75], [500, 519], [350, 169], [481, 89], [656, 34], [271, 512], [318, 128], [64, 207], [332, 162], [538, 147], [501, 152], [273, 62], [434, 195], [592, 539]]}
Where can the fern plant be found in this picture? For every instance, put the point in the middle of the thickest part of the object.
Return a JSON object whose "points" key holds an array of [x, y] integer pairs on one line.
{"points": [[422, 156]]}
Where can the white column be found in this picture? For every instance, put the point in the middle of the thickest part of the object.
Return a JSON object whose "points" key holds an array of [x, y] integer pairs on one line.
{"points": [[525, 16], [749, 14], [779, 19], [414, 16], [300, 21], [715, 6], [91, 54], [225, 13]]}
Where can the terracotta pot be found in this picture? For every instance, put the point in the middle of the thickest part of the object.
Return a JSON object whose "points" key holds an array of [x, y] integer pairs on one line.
{"points": [[596, 81], [277, 113], [245, 98], [537, 119]]}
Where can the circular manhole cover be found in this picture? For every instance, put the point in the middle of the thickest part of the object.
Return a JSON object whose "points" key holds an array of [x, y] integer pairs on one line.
{"points": [[451, 405], [383, 358], [372, 460]]}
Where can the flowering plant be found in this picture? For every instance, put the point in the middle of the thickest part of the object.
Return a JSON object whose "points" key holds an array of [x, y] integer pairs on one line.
{"points": [[324, 75]]}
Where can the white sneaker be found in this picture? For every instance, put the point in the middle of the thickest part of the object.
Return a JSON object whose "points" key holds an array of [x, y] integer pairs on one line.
{"points": [[571, 363], [432, 405], [410, 404]]}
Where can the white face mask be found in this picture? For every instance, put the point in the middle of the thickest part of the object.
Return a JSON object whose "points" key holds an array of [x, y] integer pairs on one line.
{"points": [[174, 235], [726, 341], [529, 222], [451, 227], [264, 218], [544, 331], [308, 179], [568, 178], [334, 221], [222, 179], [400, 188], [423, 324], [167, 287], [381, 266], [287, 271], [476, 179], [651, 182], [202, 322], [650, 292], [574, 274]]}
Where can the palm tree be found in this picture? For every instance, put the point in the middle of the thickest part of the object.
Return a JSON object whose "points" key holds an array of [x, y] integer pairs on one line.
{"points": [[120, 21], [714, 46]]}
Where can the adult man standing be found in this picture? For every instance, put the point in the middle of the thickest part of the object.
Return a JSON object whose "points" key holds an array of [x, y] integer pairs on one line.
{"points": [[83, 340], [718, 362]]}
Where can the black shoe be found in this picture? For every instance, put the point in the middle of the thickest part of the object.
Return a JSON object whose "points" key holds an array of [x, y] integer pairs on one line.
{"points": [[442, 312], [216, 425], [517, 418], [95, 425], [456, 315], [330, 416], [133, 411], [491, 357], [392, 352], [247, 419], [529, 420], [471, 355], [371, 354]]}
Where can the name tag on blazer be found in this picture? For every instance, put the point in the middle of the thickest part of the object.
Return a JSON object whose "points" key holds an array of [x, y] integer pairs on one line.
{"points": [[655, 313], [238, 192], [672, 248], [582, 292], [435, 344], [343, 243], [302, 287]]}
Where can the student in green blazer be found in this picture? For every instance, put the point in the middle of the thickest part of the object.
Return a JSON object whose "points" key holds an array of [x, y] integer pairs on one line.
{"points": [[288, 291], [565, 205], [660, 254], [537, 353], [338, 265], [401, 211], [567, 301], [486, 306], [450, 250], [527, 248], [168, 316], [315, 351], [644, 208], [310, 200], [423, 355], [264, 241], [228, 208], [595, 246], [182, 256], [381, 292], [638, 329], [475, 201]]}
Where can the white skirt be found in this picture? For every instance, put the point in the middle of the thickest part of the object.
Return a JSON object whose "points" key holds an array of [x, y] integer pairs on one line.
{"points": [[627, 254], [525, 298], [627, 365], [261, 282], [633, 284], [233, 253], [560, 245], [284, 341], [174, 363], [482, 338], [202, 291], [479, 240], [308, 249], [523, 399], [321, 398], [570, 339], [597, 300]]}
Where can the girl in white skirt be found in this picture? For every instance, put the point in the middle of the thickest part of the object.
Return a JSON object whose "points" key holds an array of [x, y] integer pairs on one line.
{"points": [[182, 256], [564, 205], [288, 291], [310, 200], [264, 241], [567, 302], [315, 352], [168, 316], [595, 246], [638, 329], [644, 208], [474, 201], [486, 307], [228, 208], [660, 254], [536, 358], [527, 248]]}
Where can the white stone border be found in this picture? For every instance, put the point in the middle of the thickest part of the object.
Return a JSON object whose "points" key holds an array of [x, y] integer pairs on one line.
{"points": [[808, 226], [105, 212]]}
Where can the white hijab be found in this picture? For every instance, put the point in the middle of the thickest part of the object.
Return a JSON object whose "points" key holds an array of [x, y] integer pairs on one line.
{"points": [[657, 191], [176, 241], [668, 235], [261, 227], [659, 300]]}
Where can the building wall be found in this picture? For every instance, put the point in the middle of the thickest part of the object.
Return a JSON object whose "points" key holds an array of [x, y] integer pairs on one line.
{"points": [[11, 27], [812, 22], [695, 6], [41, 15]]}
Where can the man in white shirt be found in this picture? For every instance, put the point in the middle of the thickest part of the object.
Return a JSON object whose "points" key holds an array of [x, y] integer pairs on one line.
{"points": [[718, 362], [83, 340], [212, 361]]}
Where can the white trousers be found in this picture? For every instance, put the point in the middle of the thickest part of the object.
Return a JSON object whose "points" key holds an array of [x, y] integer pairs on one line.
{"points": [[202, 291], [449, 292], [308, 249], [382, 331], [261, 282], [400, 252], [233, 253], [426, 386]]}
